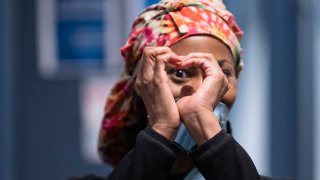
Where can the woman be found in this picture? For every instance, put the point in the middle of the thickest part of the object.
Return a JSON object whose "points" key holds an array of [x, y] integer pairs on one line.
{"points": [[164, 117]]}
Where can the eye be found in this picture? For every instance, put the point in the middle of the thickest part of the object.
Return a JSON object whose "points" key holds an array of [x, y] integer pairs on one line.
{"points": [[226, 67], [179, 73], [227, 72]]}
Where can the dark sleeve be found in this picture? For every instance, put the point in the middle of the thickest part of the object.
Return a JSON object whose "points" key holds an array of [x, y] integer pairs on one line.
{"points": [[223, 158], [151, 158], [269, 178]]}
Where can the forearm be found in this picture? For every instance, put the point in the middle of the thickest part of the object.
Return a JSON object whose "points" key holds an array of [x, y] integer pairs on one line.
{"points": [[223, 158], [151, 158]]}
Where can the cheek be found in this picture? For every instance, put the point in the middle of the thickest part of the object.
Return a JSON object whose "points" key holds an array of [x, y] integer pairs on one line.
{"points": [[230, 96], [175, 89]]}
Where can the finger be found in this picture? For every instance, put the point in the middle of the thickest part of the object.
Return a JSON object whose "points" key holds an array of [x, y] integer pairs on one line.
{"points": [[215, 84], [206, 67], [162, 89], [199, 55], [161, 63], [153, 52], [171, 58], [161, 79], [145, 71], [146, 68], [209, 57], [149, 55]]}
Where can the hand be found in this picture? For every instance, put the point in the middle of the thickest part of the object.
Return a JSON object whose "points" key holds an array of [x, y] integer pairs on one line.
{"points": [[152, 85], [196, 108]]}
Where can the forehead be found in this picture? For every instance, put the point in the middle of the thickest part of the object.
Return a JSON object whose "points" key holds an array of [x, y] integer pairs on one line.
{"points": [[203, 44]]}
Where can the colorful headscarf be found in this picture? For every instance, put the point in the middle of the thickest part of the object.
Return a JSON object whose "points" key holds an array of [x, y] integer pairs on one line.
{"points": [[161, 24]]}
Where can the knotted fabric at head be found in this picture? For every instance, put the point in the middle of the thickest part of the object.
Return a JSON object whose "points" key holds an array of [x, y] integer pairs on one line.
{"points": [[161, 24]]}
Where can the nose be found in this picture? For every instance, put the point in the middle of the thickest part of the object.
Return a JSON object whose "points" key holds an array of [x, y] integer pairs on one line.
{"points": [[186, 90]]}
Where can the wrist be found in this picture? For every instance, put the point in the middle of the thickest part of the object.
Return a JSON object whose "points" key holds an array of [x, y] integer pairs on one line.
{"points": [[166, 131], [202, 125]]}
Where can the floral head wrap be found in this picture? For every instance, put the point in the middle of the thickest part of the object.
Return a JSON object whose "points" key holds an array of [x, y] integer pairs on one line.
{"points": [[161, 24]]}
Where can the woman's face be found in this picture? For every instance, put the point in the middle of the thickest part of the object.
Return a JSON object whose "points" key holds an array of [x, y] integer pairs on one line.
{"points": [[192, 76]]}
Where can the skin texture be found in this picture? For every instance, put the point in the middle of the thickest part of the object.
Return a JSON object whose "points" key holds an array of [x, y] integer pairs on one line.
{"points": [[197, 70]]}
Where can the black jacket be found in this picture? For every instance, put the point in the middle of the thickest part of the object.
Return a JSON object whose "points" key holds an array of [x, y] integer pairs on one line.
{"points": [[221, 158]]}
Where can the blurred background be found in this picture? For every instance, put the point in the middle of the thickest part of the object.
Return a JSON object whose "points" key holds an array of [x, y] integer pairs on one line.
{"points": [[59, 59]]}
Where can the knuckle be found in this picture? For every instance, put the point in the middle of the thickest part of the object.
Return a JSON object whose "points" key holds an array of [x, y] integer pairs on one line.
{"points": [[138, 83], [162, 50], [155, 51], [145, 81], [161, 59], [141, 84], [147, 50], [165, 48]]}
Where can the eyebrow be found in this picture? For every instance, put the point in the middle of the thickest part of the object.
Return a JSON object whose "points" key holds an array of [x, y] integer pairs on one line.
{"points": [[221, 62], [192, 68]]}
